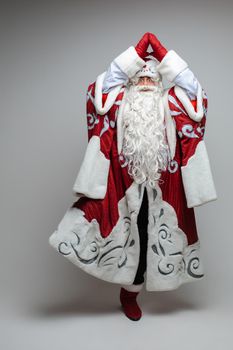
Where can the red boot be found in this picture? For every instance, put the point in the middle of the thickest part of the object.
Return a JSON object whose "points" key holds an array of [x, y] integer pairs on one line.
{"points": [[130, 305]]}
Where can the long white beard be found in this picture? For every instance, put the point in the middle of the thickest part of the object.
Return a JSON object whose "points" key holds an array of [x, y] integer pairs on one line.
{"points": [[144, 144]]}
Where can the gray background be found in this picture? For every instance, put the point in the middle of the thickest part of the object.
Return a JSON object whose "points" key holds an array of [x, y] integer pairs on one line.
{"points": [[50, 52]]}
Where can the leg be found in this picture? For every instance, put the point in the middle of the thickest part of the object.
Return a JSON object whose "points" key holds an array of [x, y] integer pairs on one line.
{"points": [[142, 222], [128, 293]]}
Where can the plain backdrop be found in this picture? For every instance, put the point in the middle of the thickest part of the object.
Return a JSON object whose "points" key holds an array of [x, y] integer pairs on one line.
{"points": [[50, 52]]}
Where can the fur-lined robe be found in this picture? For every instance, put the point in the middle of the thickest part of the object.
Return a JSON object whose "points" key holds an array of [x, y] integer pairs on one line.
{"points": [[99, 232]]}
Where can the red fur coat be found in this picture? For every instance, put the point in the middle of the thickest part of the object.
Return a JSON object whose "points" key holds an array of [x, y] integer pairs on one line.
{"points": [[99, 232]]}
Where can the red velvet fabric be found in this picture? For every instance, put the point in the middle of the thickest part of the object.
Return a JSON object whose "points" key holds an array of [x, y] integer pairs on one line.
{"points": [[142, 45], [159, 51], [105, 211], [188, 144]]}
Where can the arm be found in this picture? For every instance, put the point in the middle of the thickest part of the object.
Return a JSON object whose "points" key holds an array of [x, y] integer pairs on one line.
{"points": [[176, 71], [189, 113], [195, 165], [188, 82], [114, 76], [122, 68], [126, 64], [92, 178], [174, 68]]}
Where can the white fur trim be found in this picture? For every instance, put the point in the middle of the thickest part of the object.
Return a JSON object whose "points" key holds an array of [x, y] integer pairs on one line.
{"points": [[184, 99], [171, 65], [197, 178], [133, 287], [114, 258], [93, 174], [100, 109], [170, 125], [120, 122], [129, 61], [170, 260]]}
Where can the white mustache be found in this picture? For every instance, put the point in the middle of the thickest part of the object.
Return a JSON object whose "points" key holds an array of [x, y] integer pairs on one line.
{"points": [[146, 87]]}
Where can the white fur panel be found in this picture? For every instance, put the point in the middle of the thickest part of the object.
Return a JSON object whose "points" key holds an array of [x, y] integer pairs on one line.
{"points": [[197, 178], [129, 61], [92, 178], [114, 258], [171, 65], [170, 260]]}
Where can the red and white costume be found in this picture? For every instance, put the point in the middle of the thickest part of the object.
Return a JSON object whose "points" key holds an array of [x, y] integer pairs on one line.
{"points": [[98, 232]]}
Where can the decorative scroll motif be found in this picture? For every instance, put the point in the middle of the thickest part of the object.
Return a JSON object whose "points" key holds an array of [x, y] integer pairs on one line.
{"points": [[101, 250], [190, 265], [89, 96], [188, 130], [172, 166], [169, 244], [201, 130], [106, 125], [92, 120]]}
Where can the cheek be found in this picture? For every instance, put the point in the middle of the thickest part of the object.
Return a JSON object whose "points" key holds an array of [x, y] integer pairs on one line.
{"points": [[152, 83]]}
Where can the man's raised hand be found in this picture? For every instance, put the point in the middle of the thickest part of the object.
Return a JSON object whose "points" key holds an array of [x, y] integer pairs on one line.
{"points": [[142, 46], [159, 51]]}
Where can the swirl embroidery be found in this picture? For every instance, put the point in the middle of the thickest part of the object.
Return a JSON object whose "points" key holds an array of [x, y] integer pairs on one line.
{"points": [[97, 248]]}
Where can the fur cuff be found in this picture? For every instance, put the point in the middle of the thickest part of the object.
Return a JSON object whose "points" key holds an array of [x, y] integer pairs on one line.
{"points": [[171, 65], [133, 287], [92, 178], [129, 61], [197, 178]]}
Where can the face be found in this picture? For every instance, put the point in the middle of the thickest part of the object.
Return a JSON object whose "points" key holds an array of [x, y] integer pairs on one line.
{"points": [[145, 81]]}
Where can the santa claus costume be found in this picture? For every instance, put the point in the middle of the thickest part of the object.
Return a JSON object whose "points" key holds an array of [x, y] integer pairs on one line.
{"points": [[144, 170]]}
